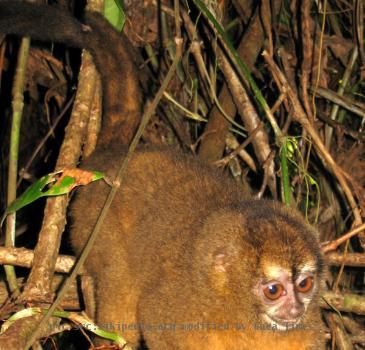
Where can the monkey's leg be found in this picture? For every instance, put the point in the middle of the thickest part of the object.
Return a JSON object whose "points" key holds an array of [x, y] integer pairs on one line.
{"points": [[116, 305]]}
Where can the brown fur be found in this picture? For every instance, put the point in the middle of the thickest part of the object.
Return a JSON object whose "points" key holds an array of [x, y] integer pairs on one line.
{"points": [[155, 259], [170, 219]]}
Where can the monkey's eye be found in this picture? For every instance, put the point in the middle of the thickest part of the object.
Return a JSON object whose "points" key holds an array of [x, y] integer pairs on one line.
{"points": [[305, 285], [274, 291]]}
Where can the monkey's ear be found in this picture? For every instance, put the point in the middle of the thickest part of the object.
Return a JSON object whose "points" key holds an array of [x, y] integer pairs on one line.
{"points": [[220, 263], [222, 258]]}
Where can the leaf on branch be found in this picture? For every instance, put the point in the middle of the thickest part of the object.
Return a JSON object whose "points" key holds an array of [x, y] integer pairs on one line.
{"points": [[54, 184]]}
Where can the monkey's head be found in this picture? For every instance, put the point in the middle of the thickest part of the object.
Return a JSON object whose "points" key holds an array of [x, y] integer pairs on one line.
{"points": [[261, 263]]}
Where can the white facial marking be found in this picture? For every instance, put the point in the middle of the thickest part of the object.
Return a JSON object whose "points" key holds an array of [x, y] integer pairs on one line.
{"points": [[274, 272]]}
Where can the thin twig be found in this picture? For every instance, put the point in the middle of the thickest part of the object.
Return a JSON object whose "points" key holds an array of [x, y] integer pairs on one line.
{"points": [[24, 257], [307, 52], [50, 132], [333, 245], [224, 161], [342, 101], [350, 259], [341, 90]]}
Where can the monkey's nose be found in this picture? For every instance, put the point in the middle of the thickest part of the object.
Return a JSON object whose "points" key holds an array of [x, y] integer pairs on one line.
{"points": [[296, 311]]}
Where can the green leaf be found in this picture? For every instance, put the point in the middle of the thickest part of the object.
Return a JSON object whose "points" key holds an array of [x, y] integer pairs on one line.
{"points": [[32, 193], [96, 175], [63, 182], [113, 12], [311, 180], [292, 146], [64, 186]]}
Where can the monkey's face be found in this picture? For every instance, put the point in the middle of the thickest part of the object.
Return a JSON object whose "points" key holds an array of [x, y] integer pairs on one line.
{"points": [[263, 261], [284, 296], [290, 268]]}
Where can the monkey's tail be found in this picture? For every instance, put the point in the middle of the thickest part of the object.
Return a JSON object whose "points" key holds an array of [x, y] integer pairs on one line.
{"points": [[121, 92]]}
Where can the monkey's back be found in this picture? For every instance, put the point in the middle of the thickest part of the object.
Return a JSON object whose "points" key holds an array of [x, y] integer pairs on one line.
{"points": [[162, 189]]}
